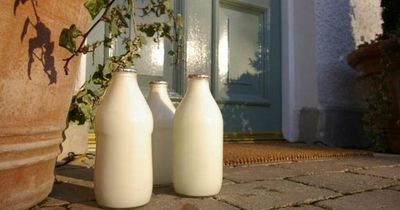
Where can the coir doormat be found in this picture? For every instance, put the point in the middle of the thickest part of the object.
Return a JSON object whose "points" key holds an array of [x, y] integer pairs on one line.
{"points": [[236, 154]]}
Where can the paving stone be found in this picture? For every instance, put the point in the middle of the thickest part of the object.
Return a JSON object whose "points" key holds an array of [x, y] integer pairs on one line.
{"points": [[379, 199], [72, 193], [304, 207], [74, 181], [345, 182], [77, 172], [318, 166], [368, 162], [257, 173], [225, 182], [271, 194], [166, 201], [395, 188], [171, 201], [87, 161], [84, 206], [388, 172], [49, 208], [52, 202]]}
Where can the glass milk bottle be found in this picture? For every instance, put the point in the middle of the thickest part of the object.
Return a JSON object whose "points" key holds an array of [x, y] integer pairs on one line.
{"points": [[197, 141], [163, 112], [123, 169]]}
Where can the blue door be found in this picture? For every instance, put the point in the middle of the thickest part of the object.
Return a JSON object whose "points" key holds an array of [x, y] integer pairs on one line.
{"points": [[237, 42], [247, 71]]}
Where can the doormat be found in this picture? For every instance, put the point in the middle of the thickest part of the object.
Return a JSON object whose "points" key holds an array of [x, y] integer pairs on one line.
{"points": [[236, 154]]}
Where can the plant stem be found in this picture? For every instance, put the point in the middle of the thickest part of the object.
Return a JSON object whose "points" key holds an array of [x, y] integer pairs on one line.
{"points": [[84, 37]]}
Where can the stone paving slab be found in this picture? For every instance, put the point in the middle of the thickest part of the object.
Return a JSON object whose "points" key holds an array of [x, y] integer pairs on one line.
{"points": [[388, 172], [380, 199], [225, 182], [172, 201], [258, 173], [53, 202], [84, 206], [310, 185], [72, 193], [77, 172], [395, 188], [51, 208], [374, 161], [318, 166], [271, 193], [345, 182], [304, 207]]}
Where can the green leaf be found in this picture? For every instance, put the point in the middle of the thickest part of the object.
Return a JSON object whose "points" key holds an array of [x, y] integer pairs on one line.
{"points": [[68, 38], [113, 28], [171, 53], [95, 6], [107, 42], [109, 66], [179, 21]]}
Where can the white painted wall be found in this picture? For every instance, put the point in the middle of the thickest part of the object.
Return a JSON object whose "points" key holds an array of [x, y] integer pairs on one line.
{"points": [[299, 81], [340, 25], [316, 37]]}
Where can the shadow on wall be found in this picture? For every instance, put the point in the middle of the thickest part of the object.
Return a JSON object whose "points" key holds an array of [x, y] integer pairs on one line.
{"points": [[340, 92], [40, 47]]}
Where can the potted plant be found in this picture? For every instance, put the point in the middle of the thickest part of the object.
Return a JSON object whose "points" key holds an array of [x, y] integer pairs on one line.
{"points": [[117, 17], [34, 96], [378, 64], [36, 84]]}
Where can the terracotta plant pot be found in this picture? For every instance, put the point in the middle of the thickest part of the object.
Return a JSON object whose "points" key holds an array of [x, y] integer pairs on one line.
{"points": [[366, 61], [35, 95]]}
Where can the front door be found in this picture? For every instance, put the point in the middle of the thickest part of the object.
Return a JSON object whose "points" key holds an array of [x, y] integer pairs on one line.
{"points": [[237, 42], [248, 68]]}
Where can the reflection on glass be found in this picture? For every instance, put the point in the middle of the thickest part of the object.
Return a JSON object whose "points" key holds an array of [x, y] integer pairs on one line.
{"points": [[198, 45], [241, 58], [223, 52], [157, 54], [152, 60]]}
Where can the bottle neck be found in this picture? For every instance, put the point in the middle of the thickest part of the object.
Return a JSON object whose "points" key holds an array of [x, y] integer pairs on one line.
{"points": [[122, 74], [128, 79], [198, 84], [160, 89]]}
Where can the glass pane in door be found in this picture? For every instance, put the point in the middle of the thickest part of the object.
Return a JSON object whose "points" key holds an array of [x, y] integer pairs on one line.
{"points": [[242, 64], [155, 63], [247, 74]]}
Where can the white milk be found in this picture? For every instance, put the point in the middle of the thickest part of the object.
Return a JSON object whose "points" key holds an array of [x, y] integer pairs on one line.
{"points": [[124, 123], [163, 112], [197, 141]]}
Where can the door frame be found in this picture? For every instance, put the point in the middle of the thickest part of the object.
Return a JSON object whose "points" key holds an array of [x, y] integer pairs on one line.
{"points": [[299, 72]]}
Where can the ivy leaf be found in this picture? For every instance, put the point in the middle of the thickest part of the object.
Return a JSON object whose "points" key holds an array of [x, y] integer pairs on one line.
{"points": [[107, 42], [171, 53], [109, 66], [179, 21], [149, 30], [95, 6], [68, 38], [114, 29], [131, 6]]}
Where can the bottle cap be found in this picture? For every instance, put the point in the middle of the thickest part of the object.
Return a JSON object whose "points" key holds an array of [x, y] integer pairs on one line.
{"points": [[158, 82], [198, 76], [128, 69]]}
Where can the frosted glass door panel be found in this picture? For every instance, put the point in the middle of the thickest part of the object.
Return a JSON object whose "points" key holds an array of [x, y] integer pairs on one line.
{"points": [[155, 63], [247, 77], [199, 33], [242, 64]]}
